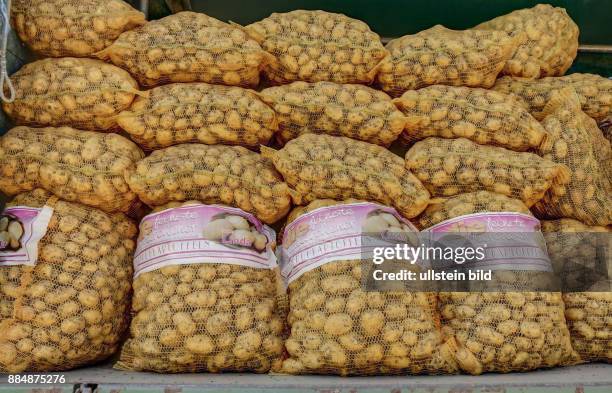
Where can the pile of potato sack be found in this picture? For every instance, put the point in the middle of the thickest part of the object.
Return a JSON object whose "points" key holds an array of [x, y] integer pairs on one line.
{"points": [[296, 111]]}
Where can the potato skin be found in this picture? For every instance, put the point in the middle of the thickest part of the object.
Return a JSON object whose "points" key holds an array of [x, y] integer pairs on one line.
{"points": [[322, 166], [551, 45], [441, 56], [188, 47], [336, 327], [209, 317], [61, 28], [72, 308], [350, 110], [230, 175], [594, 92], [78, 166], [82, 93], [314, 46]]}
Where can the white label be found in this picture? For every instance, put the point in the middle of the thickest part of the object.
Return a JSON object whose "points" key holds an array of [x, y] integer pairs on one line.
{"points": [[203, 234], [21, 228], [335, 233]]}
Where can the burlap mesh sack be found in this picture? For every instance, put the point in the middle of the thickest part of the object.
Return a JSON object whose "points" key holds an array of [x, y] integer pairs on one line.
{"points": [[188, 47], [231, 175], [552, 40], [577, 143], [339, 328], [315, 46], [354, 111], [453, 166], [483, 116], [198, 112], [509, 328], [588, 314], [323, 166], [82, 93], [594, 92], [440, 56], [210, 317], [77, 166], [70, 309], [59, 28], [468, 203]]}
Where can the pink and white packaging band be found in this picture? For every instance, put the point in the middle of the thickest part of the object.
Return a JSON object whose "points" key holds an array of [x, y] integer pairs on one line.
{"points": [[330, 234], [35, 223], [196, 234]]}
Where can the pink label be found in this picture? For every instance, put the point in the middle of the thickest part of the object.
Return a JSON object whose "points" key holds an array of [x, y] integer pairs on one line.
{"points": [[21, 229], [335, 233], [203, 234], [511, 241]]}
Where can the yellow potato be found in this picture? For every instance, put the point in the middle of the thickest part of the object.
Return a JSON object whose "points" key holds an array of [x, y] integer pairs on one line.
{"points": [[440, 56], [77, 310], [315, 46], [551, 45], [188, 47], [55, 92], [82, 178]]}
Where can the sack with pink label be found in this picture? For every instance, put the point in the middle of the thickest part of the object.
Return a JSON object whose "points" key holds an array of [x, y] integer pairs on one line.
{"points": [[339, 327], [506, 323], [65, 279], [206, 293]]}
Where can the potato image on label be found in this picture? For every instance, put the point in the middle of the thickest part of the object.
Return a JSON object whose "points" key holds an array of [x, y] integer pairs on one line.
{"points": [[11, 232], [482, 116], [454, 166], [188, 47], [231, 175], [71, 308], [594, 92], [577, 143], [337, 327], [316, 46], [82, 93], [440, 56], [78, 166], [468, 203], [588, 314], [217, 314], [354, 111], [235, 231], [323, 166], [198, 112], [552, 40], [59, 28]]}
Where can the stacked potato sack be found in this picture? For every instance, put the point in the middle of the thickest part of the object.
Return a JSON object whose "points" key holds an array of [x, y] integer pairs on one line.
{"points": [[500, 331], [315, 46], [58, 28], [188, 47], [198, 112], [552, 40], [594, 92], [349, 110], [71, 308], [83, 93], [588, 314], [453, 166], [577, 143], [230, 175], [440, 56], [78, 166], [339, 328], [483, 116], [206, 317], [322, 166]]}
